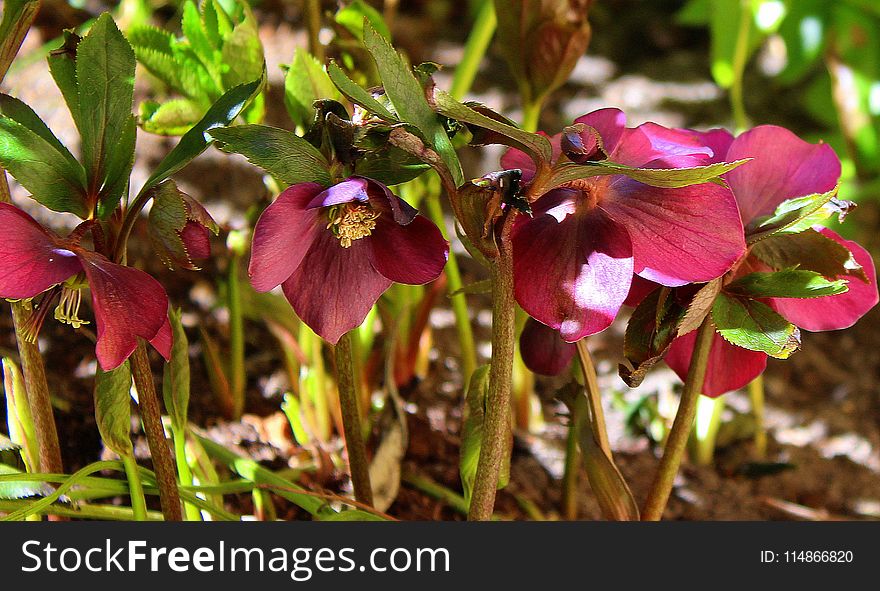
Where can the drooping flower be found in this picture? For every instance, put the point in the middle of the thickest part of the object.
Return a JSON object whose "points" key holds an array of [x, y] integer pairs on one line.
{"points": [[575, 258], [543, 350], [335, 250], [127, 302], [784, 167]]}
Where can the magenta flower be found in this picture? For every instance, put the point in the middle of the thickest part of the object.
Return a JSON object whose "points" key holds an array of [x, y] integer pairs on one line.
{"points": [[784, 167], [334, 251], [543, 350], [575, 259], [127, 302]]}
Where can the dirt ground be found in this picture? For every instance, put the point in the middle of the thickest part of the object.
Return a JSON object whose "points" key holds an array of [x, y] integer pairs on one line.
{"points": [[823, 405]]}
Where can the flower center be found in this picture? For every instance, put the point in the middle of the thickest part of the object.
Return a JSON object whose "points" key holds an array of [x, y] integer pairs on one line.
{"points": [[351, 221], [67, 310], [590, 191]]}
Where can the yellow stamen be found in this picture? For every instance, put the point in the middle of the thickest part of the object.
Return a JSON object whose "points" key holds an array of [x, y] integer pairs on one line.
{"points": [[67, 310], [351, 221]]}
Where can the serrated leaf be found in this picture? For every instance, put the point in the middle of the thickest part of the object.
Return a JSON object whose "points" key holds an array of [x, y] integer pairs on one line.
{"points": [[62, 66], [357, 94], [6, 444], [242, 52], [795, 215], [168, 217], [788, 283], [197, 139], [408, 97], [536, 146], [21, 113], [650, 331], [174, 117], [306, 81], [472, 433], [699, 308], [193, 28], [113, 408], [217, 23], [669, 178], [352, 15], [11, 489], [754, 326], [105, 65], [39, 167], [281, 153], [809, 250], [176, 380]]}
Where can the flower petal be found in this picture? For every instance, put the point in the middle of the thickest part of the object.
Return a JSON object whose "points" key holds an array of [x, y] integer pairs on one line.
{"points": [[283, 235], [413, 254], [358, 188], [717, 139], [837, 311], [571, 272], [543, 349], [31, 260], [729, 367], [334, 288], [610, 123], [197, 240], [784, 166], [128, 304], [679, 236], [651, 141], [514, 158], [163, 340]]}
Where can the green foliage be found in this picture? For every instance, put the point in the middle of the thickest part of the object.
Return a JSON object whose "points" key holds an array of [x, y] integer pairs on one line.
{"points": [[788, 283], [656, 177], [811, 251], [796, 215], [113, 408], [306, 81], [19, 421], [650, 331], [175, 383], [218, 51], [753, 325], [472, 432], [352, 15]]}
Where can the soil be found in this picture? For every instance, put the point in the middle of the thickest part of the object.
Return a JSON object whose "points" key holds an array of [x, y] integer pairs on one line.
{"points": [[823, 405]]}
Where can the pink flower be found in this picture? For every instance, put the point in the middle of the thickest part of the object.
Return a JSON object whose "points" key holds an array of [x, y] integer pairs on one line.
{"points": [[784, 167], [334, 251], [128, 303], [575, 259]]}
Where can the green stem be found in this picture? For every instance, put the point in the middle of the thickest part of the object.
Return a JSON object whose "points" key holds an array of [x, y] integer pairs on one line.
{"points": [[756, 393], [17, 20], [496, 426], [572, 463], [349, 386], [740, 57], [236, 337], [151, 415], [99, 512], [478, 41], [313, 24], [532, 114], [178, 435], [706, 425], [681, 426], [591, 386], [459, 300], [136, 489]]}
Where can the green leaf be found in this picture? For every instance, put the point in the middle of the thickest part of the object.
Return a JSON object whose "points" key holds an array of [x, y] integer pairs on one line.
{"points": [[62, 66], [788, 283], [168, 217], [176, 383], [809, 250], [670, 178], [796, 215], [21, 113], [11, 489], [352, 18], [536, 146], [193, 29], [390, 166], [472, 433], [174, 117], [348, 515], [19, 420], [649, 333], [197, 139], [281, 153], [113, 408], [242, 52], [755, 326], [724, 22], [217, 23], [41, 169], [356, 94], [105, 65], [408, 98], [306, 81]]}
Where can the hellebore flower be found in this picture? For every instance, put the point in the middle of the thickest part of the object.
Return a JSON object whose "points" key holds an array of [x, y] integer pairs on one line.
{"points": [[127, 302], [543, 350], [334, 251], [784, 167], [575, 259]]}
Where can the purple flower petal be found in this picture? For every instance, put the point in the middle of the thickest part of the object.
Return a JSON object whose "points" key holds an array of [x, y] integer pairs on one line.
{"points": [[679, 236], [729, 367], [784, 166], [610, 123], [837, 311], [334, 288], [358, 188], [283, 235], [413, 254], [197, 240], [571, 270], [31, 260], [514, 158], [164, 340], [719, 140], [543, 349], [649, 142], [128, 304]]}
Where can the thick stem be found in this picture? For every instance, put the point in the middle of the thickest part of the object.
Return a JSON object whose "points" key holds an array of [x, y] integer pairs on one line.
{"points": [[474, 50], [591, 386], [135, 489], [496, 426], [151, 415], [236, 338], [740, 57], [708, 421], [681, 426], [572, 463], [532, 114], [756, 393], [313, 23], [349, 385]]}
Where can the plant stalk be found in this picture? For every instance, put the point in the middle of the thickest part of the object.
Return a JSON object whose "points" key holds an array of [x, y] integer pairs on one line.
{"points": [[496, 426], [591, 387], [349, 387], [740, 57], [532, 115], [236, 337], [478, 41], [756, 393], [676, 442], [135, 488], [151, 415], [313, 24], [572, 464], [178, 435]]}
